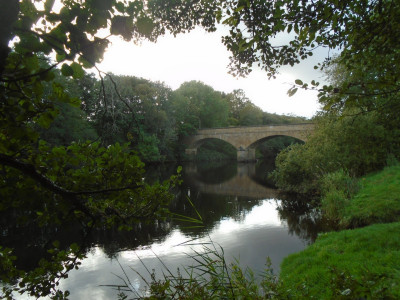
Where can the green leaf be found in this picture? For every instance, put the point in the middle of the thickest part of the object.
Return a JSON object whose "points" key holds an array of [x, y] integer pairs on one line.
{"points": [[60, 57], [85, 63], [123, 26], [66, 70], [145, 26], [49, 5], [76, 102], [298, 81], [46, 76], [78, 70], [239, 8], [119, 6]]}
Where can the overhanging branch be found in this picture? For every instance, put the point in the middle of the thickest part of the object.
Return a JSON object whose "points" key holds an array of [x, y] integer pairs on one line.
{"points": [[31, 171]]}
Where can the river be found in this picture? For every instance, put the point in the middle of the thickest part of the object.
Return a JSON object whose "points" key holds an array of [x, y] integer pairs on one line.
{"points": [[240, 213], [244, 217]]}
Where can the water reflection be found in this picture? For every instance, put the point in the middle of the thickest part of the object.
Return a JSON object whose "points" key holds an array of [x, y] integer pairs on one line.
{"points": [[238, 212], [241, 184], [257, 234], [302, 217]]}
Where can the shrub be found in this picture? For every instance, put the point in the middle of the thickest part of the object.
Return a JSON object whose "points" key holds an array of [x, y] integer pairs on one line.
{"points": [[358, 144], [292, 173], [337, 189]]}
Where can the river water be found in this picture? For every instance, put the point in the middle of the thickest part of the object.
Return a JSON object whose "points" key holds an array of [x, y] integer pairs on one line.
{"points": [[246, 218], [240, 211]]}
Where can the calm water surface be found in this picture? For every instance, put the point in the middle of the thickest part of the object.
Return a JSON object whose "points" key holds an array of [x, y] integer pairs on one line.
{"points": [[240, 213]]}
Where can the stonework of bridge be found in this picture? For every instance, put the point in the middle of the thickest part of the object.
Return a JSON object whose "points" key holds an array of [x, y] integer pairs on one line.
{"points": [[246, 139]]}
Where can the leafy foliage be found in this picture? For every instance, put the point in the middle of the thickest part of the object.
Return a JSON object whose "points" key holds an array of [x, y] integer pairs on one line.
{"points": [[337, 189], [202, 106], [356, 144], [45, 184]]}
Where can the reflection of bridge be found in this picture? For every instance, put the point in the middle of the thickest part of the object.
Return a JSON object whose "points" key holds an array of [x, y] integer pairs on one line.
{"points": [[245, 139], [242, 185]]}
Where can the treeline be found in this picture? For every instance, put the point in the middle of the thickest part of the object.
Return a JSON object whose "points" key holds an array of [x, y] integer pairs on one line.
{"points": [[152, 117]]}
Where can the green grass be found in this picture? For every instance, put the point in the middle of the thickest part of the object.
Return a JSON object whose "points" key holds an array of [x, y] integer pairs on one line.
{"points": [[378, 200], [348, 264], [359, 263]]}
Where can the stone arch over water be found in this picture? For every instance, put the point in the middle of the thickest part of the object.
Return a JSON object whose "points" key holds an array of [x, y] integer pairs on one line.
{"points": [[244, 139]]}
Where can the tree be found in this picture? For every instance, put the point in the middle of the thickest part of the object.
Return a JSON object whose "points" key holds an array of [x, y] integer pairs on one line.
{"points": [[42, 184], [201, 106], [250, 115], [72, 123], [236, 101]]}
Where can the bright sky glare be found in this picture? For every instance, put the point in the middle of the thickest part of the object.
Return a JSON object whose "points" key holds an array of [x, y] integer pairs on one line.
{"points": [[201, 56]]}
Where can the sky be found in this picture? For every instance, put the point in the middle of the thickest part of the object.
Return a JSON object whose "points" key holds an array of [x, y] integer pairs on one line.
{"points": [[201, 56]]}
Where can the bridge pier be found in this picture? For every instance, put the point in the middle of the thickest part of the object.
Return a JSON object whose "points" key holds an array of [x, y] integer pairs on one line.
{"points": [[246, 155]]}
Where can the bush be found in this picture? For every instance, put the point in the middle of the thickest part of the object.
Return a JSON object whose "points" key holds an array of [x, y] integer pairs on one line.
{"points": [[292, 174], [358, 144], [148, 149], [337, 189]]}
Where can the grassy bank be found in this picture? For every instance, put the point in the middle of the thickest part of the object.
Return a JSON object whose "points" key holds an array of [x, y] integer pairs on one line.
{"points": [[348, 264], [363, 262], [378, 200]]}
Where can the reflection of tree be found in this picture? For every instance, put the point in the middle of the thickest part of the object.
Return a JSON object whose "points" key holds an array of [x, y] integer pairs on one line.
{"points": [[159, 172], [30, 241], [213, 172], [113, 241], [262, 170], [212, 209], [303, 218]]}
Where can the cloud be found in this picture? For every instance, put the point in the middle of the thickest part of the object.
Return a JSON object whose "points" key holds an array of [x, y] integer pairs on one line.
{"points": [[201, 56]]}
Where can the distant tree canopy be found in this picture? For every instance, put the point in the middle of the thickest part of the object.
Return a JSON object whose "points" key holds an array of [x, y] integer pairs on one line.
{"points": [[149, 116]]}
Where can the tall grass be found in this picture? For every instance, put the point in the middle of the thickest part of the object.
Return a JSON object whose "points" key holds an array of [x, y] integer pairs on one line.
{"points": [[210, 277], [337, 189]]}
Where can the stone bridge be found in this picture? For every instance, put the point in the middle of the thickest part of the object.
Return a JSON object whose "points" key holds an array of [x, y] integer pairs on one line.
{"points": [[246, 139]]}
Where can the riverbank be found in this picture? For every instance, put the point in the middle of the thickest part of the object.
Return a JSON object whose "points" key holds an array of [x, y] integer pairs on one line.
{"points": [[353, 263]]}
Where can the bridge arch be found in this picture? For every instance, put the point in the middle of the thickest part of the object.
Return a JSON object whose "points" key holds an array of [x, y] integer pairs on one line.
{"points": [[262, 140], [244, 139], [200, 142]]}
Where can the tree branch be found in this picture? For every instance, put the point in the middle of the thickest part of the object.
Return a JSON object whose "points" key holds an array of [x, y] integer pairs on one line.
{"points": [[31, 75], [31, 171]]}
